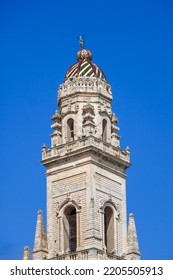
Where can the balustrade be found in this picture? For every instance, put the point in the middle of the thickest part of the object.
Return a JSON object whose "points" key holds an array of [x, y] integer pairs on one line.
{"points": [[63, 149]]}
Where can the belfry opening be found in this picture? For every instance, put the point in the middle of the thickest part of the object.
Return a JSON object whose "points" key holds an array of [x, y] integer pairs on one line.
{"points": [[70, 232]]}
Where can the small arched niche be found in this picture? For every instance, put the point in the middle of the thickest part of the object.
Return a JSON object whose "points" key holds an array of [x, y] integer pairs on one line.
{"points": [[70, 229], [70, 130]]}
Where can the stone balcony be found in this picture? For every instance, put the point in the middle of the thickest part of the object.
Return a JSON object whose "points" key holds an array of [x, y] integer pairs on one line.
{"points": [[90, 141]]}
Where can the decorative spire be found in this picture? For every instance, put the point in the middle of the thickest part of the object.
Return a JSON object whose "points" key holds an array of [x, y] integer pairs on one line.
{"points": [[26, 255], [40, 245], [132, 252], [81, 42]]}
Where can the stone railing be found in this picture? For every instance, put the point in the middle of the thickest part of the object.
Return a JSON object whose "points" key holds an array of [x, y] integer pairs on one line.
{"points": [[84, 84], [102, 255], [64, 149], [84, 255], [81, 255]]}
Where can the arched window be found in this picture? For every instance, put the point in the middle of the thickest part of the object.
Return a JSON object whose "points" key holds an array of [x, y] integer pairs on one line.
{"points": [[109, 229], [104, 130], [70, 230], [70, 129]]}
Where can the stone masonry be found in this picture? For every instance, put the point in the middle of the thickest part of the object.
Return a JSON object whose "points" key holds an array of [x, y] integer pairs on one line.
{"points": [[86, 174]]}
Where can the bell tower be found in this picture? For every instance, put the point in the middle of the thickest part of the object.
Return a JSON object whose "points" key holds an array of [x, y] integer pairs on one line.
{"points": [[85, 173]]}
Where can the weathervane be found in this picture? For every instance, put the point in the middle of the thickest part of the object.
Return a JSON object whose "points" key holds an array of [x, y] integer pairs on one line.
{"points": [[81, 42]]}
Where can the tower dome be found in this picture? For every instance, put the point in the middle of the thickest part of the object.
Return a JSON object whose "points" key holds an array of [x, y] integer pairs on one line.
{"points": [[84, 67]]}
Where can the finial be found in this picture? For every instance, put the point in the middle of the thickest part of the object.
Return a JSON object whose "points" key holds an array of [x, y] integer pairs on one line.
{"points": [[84, 55], [40, 212], [26, 253], [128, 150], [81, 42]]}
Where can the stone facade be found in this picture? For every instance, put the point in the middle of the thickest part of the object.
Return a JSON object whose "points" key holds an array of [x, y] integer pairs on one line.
{"points": [[85, 172]]}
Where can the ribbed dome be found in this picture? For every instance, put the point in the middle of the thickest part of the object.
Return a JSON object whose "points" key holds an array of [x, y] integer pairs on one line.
{"points": [[84, 67]]}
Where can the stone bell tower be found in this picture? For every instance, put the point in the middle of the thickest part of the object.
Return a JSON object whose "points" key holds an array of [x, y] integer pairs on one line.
{"points": [[85, 171]]}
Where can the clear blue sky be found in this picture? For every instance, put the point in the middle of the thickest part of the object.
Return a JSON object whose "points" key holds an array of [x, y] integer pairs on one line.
{"points": [[132, 43]]}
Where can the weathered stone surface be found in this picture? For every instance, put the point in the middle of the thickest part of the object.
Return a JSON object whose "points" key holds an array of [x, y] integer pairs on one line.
{"points": [[40, 245], [132, 252], [86, 178], [26, 255]]}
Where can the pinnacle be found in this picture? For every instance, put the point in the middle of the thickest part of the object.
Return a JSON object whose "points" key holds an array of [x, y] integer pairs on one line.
{"points": [[26, 255], [40, 235], [132, 240]]}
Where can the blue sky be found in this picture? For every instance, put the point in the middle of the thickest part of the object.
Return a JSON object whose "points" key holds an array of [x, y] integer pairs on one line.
{"points": [[132, 43]]}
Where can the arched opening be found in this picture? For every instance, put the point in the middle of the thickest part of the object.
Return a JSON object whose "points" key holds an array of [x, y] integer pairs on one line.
{"points": [[70, 130], [104, 130], [70, 229], [109, 229]]}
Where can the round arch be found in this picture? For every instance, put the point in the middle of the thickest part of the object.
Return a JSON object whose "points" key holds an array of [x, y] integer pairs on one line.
{"points": [[70, 228], [68, 214], [110, 226]]}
